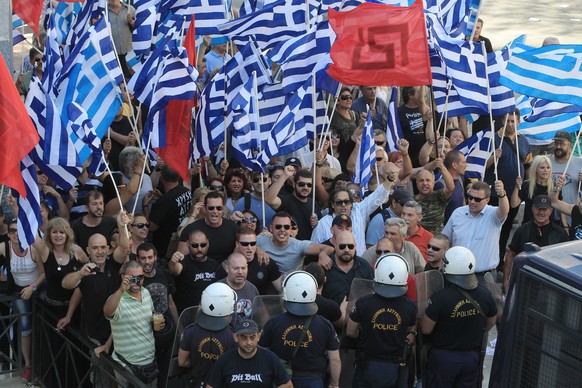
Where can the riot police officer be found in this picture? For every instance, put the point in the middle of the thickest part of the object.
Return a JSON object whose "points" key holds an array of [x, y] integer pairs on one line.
{"points": [[301, 338], [207, 339], [384, 324], [457, 316]]}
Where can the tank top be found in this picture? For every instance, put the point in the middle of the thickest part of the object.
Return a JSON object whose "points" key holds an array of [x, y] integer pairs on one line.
{"points": [[24, 270], [55, 274]]}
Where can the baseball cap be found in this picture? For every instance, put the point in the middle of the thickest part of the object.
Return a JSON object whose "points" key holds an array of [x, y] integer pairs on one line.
{"points": [[338, 220], [247, 326], [542, 202], [401, 195], [293, 162], [562, 135], [218, 40]]}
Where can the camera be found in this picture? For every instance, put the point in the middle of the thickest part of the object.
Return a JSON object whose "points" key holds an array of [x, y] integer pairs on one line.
{"points": [[94, 269], [135, 279]]}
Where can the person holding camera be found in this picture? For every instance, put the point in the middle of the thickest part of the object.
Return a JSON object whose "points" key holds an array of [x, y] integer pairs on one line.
{"points": [[130, 313]]}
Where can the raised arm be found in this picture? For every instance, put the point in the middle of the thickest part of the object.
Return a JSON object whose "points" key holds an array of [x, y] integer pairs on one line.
{"points": [[271, 195], [503, 208]]}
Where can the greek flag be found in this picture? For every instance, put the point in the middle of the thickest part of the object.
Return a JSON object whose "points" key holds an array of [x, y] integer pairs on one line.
{"points": [[366, 156], [90, 77], [28, 208], [89, 10], [393, 128], [143, 29], [441, 85], [250, 6], [63, 17], [451, 13], [477, 149], [272, 101], [545, 128], [276, 23], [541, 108], [472, 16], [552, 72], [17, 37], [53, 61], [209, 14], [82, 126]]}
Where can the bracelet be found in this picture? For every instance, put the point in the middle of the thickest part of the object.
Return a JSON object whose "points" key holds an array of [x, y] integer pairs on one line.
{"points": [[68, 317], [431, 141], [33, 287], [503, 196], [412, 332]]}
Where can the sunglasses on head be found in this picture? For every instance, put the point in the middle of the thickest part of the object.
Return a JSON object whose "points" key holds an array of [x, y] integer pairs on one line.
{"points": [[279, 226], [256, 179], [382, 252], [141, 225], [216, 188], [344, 246], [346, 97], [342, 202], [432, 247], [303, 184], [196, 245], [247, 243], [476, 199], [211, 208]]}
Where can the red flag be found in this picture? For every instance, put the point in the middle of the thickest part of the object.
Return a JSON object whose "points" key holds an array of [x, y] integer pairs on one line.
{"points": [[29, 11], [179, 120], [380, 45], [18, 135]]}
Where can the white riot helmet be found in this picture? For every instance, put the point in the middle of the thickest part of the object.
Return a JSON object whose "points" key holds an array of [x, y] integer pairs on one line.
{"points": [[216, 307], [459, 267], [391, 276], [299, 292]]}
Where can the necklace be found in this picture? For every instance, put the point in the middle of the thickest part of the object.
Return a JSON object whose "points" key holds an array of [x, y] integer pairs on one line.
{"points": [[59, 261]]}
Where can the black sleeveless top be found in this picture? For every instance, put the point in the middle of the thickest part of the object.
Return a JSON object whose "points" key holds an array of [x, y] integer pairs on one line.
{"points": [[55, 274]]}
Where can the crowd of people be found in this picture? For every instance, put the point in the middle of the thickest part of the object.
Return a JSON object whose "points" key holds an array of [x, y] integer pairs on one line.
{"points": [[123, 256]]}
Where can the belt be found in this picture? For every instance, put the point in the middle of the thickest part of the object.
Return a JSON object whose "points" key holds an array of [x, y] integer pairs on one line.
{"points": [[56, 303], [484, 272]]}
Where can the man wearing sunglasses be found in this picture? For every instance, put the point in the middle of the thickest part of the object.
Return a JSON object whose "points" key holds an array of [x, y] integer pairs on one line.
{"points": [[260, 183], [477, 226], [437, 247], [368, 100]]}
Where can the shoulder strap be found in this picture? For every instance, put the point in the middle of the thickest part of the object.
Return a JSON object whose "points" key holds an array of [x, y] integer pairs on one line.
{"points": [[122, 359], [301, 336], [247, 201], [473, 301]]}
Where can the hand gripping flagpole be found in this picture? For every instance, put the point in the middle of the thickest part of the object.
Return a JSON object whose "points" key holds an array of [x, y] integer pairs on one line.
{"points": [[491, 122], [145, 162]]}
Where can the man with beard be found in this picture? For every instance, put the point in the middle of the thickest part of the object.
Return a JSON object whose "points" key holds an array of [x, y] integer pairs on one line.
{"points": [[219, 231], [94, 222], [346, 266], [298, 204], [193, 272], [562, 153], [434, 202], [288, 252], [236, 278], [368, 100], [260, 183], [456, 164]]}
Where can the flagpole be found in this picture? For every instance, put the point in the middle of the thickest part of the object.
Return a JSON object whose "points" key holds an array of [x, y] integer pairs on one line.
{"points": [[516, 147], [315, 147], [1, 193], [577, 143], [446, 107], [141, 176], [258, 113], [434, 130], [224, 121], [116, 189], [491, 122], [328, 122]]}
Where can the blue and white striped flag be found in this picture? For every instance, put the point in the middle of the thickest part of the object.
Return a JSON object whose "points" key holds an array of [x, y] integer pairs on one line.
{"points": [[53, 59], [441, 85], [477, 149], [16, 21], [81, 125], [545, 128], [472, 16], [143, 29], [393, 128], [63, 17], [29, 218], [366, 156], [17, 37], [541, 108], [451, 13], [272, 101], [249, 6], [276, 23], [552, 72], [81, 24], [209, 14]]}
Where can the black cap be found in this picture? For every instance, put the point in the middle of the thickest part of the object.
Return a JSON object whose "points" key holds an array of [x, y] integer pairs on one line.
{"points": [[401, 195], [563, 135], [246, 326], [293, 162], [542, 202], [338, 220]]}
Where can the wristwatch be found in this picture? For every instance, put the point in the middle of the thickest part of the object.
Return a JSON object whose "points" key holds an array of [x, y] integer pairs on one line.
{"points": [[33, 286]]}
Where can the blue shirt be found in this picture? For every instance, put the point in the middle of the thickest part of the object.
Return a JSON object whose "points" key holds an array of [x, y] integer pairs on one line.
{"points": [[214, 60], [507, 164], [380, 119], [257, 208]]}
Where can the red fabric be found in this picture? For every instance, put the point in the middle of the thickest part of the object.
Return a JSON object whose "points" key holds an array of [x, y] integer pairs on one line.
{"points": [[380, 45], [178, 121], [29, 11], [411, 283], [18, 135]]}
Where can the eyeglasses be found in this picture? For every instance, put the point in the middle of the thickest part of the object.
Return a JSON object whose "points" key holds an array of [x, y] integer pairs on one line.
{"points": [[38, 172], [303, 184], [249, 219], [344, 246], [247, 243], [476, 199], [293, 227], [211, 208], [216, 188], [327, 180], [196, 245], [433, 248], [345, 97], [141, 225], [342, 202], [379, 143], [379, 158], [258, 178], [12, 230], [279, 226], [382, 252], [37, 60]]}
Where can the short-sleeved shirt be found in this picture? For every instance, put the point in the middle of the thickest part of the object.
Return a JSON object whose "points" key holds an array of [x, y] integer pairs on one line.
{"points": [[570, 189], [261, 275], [83, 232], [263, 370], [383, 325], [540, 235], [524, 196], [459, 326], [168, 212], [421, 239], [413, 130], [244, 299], [289, 257], [433, 211], [120, 31], [327, 308], [301, 211], [282, 332], [338, 283], [193, 279], [215, 60], [160, 286], [457, 198], [256, 205], [222, 239]]}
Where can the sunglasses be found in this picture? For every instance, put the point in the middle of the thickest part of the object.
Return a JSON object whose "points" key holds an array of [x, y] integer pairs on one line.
{"points": [[279, 226], [12, 230], [433, 248], [344, 246], [247, 243], [345, 97], [141, 225], [38, 172], [196, 245], [334, 135], [249, 219], [294, 227], [327, 180], [382, 252], [379, 159], [343, 202], [258, 178], [303, 184], [379, 143], [211, 208], [216, 188], [476, 199]]}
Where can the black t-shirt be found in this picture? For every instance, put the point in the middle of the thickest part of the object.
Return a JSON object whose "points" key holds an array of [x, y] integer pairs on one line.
{"points": [[167, 212], [459, 326], [282, 332], [327, 308], [95, 290], [413, 130], [338, 283], [160, 286], [54, 276], [302, 213], [576, 229], [540, 235], [383, 325], [193, 279], [263, 370], [205, 348], [83, 232], [261, 276], [524, 196], [123, 127], [222, 239]]}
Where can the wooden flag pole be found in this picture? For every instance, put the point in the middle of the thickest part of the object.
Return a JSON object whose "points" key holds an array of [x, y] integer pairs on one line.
{"points": [[491, 122], [517, 148]]}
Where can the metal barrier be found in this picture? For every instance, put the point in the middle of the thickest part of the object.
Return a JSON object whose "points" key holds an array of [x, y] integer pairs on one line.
{"points": [[10, 351]]}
